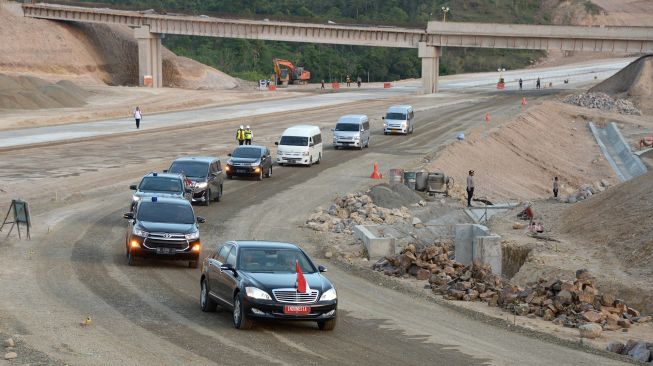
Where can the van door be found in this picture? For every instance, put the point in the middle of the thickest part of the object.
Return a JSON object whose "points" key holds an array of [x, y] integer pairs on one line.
{"points": [[365, 135], [317, 149], [411, 120]]}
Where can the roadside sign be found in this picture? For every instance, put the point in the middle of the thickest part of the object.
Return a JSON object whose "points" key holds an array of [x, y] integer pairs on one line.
{"points": [[21, 215]]}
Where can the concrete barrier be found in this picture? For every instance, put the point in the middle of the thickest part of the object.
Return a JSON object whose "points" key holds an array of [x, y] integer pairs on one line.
{"points": [[476, 243], [377, 244]]}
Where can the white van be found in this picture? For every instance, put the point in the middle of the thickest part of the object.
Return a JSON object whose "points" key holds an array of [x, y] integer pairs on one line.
{"points": [[352, 130], [300, 144], [399, 119]]}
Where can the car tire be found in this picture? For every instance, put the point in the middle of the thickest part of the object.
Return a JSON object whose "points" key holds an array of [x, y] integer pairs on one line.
{"points": [[260, 175], [207, 304], [131, 259], [335, 147], [280, 164], [238, 315], [367, 144], [207, 197], [229, 176], [310, 162], [361, 146], [319, 159], [269, 173], [192, 264], [327, 324], [219, 197]]}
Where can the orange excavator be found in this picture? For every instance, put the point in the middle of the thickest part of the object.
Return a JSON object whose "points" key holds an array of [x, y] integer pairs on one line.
{"points": [[287, 73]]}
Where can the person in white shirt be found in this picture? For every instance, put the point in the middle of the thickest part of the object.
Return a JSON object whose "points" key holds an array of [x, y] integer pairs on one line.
{"points": [[137, 117]]}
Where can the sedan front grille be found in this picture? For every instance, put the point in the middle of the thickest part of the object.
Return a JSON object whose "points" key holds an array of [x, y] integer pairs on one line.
{"points": [[291, 296]]}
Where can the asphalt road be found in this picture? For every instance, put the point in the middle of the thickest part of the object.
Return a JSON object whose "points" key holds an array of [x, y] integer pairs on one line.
{"points": [[149, 314]]}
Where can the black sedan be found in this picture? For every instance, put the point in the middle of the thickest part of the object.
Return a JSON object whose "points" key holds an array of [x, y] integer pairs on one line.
{"points": [[259, 280], [250, 161]]}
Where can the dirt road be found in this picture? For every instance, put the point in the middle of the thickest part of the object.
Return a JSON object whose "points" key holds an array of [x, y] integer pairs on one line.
{"points": [[149, 314]]}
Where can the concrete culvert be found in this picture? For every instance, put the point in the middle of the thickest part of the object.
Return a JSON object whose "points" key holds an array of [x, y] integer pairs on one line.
{"points": [[513, 258]]}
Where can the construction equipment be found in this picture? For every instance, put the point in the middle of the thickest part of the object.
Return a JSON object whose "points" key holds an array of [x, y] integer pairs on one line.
{"points": [[287, 73], [437, 182]]}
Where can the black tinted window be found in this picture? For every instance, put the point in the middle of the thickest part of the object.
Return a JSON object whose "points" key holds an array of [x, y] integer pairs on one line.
{"points": [[347, 127], [317, 139], [160, 184], [193, 169], [366, 125], [397, 116], [171, 213], [247, 152], [294, 141], [273, 260]]}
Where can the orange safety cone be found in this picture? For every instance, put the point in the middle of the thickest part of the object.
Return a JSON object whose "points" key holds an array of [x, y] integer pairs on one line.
{"points": [[375, 172], [523, 101], [487, 117]]}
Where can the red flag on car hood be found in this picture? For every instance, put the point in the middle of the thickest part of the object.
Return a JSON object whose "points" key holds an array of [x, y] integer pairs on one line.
{"points": [[302, 285]]}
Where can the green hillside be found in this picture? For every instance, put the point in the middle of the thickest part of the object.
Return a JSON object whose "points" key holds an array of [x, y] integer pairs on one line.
{"points": [[252, 60]]}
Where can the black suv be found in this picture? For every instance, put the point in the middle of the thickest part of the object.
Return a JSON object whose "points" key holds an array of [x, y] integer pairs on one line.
{"points": [[261, 280], [205, 174], [250, 161], [163, 227], [160, 185]]}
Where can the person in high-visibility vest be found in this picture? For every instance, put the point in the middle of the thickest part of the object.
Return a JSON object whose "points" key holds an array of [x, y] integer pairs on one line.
{"points": [[248, 135], [240, 135]]}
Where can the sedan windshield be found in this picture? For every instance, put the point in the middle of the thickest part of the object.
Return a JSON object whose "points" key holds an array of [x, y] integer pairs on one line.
{"points": [[294, 141], [347, 127], [273, 260], [160, 184], [169, 213], [194, 169], [395, 116], [247, 152]]}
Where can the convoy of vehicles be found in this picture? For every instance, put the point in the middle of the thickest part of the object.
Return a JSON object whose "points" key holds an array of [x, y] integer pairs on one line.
{"points": [[301, 144], [249, 161], [259, 280], [352, 130], [254, 279]]}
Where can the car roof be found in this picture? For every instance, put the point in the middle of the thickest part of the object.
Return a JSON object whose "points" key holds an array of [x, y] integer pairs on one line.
{"points": [[250, 147], [301, 130], [177, 200], [402, 107], [263, 244], [163, 175], [358, 118], [203, 159]]}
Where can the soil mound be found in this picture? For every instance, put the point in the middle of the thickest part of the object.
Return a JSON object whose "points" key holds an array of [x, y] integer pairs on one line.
{"points": [[618, 220], [635, 81], [393, 196], [28, 92]]}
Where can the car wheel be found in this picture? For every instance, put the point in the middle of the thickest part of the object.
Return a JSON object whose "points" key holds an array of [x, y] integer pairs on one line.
{"points": [[240, 320], [207, 304], [269, 174], [280, 164], [327, 324], [207, 197], [219, 197], [310, 162], [319, 159], [367, 144], [192, 264], [260, 175], [229, 176], [335, 147], [361, 146], [131, 260]]}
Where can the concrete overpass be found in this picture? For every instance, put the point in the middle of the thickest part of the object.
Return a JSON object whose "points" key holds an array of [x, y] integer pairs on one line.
{"points": [[149, 28]]}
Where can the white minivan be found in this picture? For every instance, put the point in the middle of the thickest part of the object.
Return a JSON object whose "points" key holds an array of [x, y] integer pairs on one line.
{"points": [[352, 130], [300, 144], [399, 119]]}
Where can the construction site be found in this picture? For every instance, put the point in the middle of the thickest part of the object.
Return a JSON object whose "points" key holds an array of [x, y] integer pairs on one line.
{"points": [[521, 275]]}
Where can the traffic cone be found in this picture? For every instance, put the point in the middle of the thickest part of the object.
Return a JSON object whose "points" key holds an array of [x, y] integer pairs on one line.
{"points": [[375, 172], [523, 101], [487, 117]]}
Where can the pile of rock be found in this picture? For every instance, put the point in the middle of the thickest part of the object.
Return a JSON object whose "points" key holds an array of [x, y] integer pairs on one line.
{"points": [[588, 190], [354, 209], [638, 350], [10, 345], [603, 102], [570, 303]]}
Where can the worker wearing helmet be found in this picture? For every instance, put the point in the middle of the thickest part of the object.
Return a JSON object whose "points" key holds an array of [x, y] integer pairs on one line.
{"points": [[248, 135], [240, 135]]}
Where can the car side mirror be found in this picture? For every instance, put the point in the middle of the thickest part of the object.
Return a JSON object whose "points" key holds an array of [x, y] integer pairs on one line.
{"points": [[200, 220], [382, 117], [333, 130], [128, 215], [276, 143], [227, 267], [321, 268], [133, 187], [165, 171], [229, 154], [189, 190]]}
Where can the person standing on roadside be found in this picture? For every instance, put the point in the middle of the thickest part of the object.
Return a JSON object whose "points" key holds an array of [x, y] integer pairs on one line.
{"points": [[521, 83], [359, 81], [240, 135], [138, 117], [322, 87], [348, 81], [248, 135], [470, 188], [556, 187], [537, 83]]}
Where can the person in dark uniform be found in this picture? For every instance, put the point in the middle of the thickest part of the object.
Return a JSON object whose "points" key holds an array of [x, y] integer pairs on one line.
{"points": [[470, 188]]}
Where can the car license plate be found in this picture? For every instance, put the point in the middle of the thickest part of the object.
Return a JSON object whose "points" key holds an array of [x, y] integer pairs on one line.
{"points": [[165, 251], [241, 171], [296, 309]]}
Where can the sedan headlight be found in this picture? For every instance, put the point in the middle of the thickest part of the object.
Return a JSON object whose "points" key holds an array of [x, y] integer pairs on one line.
{"points": [[141, 233], [193, 236], [257, 293], [201, 185], [329, 294], [135, 198]]}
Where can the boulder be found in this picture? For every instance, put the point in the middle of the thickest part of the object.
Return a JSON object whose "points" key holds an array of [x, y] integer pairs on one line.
{"points": [[616, 347], [590, 330], [592, 316], [640, 352], [423, 274], [10, 355], [9, 342]]}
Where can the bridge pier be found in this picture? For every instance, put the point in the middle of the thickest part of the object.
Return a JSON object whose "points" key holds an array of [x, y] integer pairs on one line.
{"points": [[430, 56], [150, 62]]}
